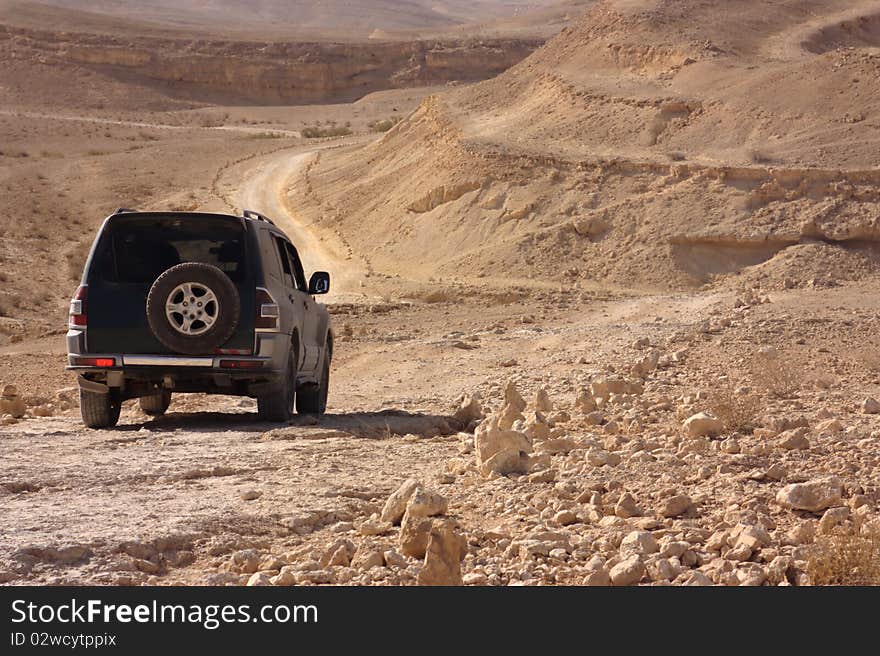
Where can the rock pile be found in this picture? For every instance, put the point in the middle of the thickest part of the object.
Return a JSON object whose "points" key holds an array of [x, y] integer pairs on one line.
{"points": [[11, 402], [500, 449]]}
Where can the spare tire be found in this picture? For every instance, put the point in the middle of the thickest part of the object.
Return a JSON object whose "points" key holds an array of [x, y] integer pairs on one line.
{"points": [[193, 308]]}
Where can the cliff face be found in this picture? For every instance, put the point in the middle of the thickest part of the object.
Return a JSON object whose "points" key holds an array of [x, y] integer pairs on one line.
{"points": [[273, 73]]}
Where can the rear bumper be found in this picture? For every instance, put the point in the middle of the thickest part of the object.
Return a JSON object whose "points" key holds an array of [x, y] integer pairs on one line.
{"points": [[131, 362], [138, 374]]}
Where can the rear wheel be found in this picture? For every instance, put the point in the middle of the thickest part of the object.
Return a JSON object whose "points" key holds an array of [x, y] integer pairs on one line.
{"points": [[311, 399], [155, 405], [278, 404], [99, 410]]}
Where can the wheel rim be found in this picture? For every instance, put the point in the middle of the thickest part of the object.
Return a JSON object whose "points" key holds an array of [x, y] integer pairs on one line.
{"points": [[192, 308]]}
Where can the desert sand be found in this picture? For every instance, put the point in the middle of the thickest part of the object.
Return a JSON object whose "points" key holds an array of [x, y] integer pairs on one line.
{"points": [[606, 303]]}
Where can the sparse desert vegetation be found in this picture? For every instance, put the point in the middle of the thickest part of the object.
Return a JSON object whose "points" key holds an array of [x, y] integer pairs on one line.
{"points": [[847, 556], [330, 130], [384, 124]]}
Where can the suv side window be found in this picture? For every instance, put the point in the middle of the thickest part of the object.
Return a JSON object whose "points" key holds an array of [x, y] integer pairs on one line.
{"points": [[285, 262], [298, 273], [269, 254]]}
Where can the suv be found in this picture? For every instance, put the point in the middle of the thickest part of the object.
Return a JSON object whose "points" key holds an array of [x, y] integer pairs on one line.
{"points": [[193, 302]]}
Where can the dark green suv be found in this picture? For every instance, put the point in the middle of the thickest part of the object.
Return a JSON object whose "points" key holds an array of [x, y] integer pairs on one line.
{"points": [[191, 302]]}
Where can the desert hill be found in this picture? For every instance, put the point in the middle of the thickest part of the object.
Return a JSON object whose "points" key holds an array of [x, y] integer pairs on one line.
{"points": [[657, 144]]}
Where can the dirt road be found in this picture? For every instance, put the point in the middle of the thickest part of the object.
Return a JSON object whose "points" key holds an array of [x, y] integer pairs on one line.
{"points": [[265, 191]]}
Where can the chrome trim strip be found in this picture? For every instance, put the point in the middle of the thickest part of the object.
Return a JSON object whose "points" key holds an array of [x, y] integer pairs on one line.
{"points": [[167, 361]]}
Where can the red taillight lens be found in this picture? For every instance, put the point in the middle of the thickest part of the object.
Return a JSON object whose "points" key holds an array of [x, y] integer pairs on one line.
{"points": [[95, 362], [241, 364], [78, 316], [266, 311]]}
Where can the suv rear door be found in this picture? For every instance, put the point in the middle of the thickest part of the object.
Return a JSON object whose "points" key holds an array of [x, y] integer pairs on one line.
{"points": [[134, 249]]}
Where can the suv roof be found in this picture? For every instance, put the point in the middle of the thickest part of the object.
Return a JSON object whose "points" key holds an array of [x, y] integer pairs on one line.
{"points": [[246, 215]]}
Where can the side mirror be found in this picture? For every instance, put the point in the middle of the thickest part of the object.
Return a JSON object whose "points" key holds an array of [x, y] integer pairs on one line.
{"points": [[319, 283]]}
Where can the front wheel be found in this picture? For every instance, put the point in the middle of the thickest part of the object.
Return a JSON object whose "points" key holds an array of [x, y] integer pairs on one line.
{"points": [[99, 410], [311, 399], [155, 405], [278, 405]]}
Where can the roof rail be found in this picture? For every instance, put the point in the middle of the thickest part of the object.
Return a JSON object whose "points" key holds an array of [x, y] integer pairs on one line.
{"points": [[250, 214], [121, 210]]}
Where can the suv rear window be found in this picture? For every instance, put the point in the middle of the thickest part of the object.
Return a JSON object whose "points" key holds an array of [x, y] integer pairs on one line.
{"points": [[140, 249]]}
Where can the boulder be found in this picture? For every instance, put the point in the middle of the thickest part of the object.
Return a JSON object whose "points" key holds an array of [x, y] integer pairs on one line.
{"points": [[512, 396], [646, 364], [501, 450], [597, 577], [584, 401], [829, 426], [639, 542], [469, 410], [628, 571], [11, 402], [414, 535], [813, 496], [339, 552], [395, 506], [367, 559], [749, 536], [259, 579], [627, 507], [445, 550], [871, 406], [703, 424], [676, 505], [508, 416], [794, 439], [425, 503], [833, 518], [537, 427], [542, 401]]}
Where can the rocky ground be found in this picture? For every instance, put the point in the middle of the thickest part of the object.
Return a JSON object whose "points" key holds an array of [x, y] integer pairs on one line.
{"points": [[687, 439]]}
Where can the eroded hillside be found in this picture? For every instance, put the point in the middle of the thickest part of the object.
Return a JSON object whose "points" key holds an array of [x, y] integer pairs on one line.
{"points": [[162, 71], [654, 144]]}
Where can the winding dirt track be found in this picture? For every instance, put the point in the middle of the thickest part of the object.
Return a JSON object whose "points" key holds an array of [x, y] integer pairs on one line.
{"points": [[264, 190]]}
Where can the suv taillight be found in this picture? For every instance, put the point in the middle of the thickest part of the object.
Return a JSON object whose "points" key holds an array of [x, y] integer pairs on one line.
{"points": [[78, 307], [267, 311]]}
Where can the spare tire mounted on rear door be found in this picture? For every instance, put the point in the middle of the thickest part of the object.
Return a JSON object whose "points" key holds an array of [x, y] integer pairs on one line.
{"points": [[193, 308]]}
